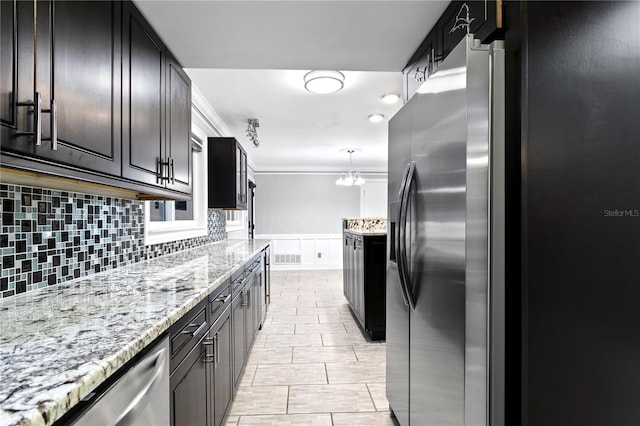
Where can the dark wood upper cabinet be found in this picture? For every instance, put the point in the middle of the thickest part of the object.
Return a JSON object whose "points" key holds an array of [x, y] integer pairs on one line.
{"points": [[227, 162], [81, 73], [115, 105], [17, 77], [178, 127], [482, 18], [143, 117]]}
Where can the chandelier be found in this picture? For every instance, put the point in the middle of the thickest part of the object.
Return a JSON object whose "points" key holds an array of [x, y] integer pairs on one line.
{"points": [[350, 178]]}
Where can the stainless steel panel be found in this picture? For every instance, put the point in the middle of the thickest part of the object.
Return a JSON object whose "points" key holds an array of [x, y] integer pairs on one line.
{"points": [[477, 244], [484, 356], [497, 167], [437, 279], [139, 397], [397, 320]]}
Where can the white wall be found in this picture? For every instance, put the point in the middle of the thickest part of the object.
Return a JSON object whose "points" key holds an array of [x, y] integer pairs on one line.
{"points": [[302, 214], [303, 204]]}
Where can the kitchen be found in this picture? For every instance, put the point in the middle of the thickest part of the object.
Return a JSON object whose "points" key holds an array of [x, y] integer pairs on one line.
{"points": [[559, 343]]}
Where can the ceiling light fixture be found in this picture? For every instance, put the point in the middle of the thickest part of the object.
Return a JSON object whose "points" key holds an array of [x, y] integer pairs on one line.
{"points": [[350, 178], [390, 98], [252, 133], [323, 82], [376, 118]]}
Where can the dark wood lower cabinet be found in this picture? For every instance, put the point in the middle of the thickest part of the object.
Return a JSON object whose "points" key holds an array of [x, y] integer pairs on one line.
{"points": [[189, 389], [238, 328], [364, 277], [204, 381], [220, 388]]}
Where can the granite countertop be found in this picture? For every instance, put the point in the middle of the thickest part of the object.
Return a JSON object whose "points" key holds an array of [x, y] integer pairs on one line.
{"points": [[366, 225], [59, 343]]}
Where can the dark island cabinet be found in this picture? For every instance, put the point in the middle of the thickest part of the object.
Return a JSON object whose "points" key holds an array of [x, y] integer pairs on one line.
{"points": [[227, 161], [96, 98], [75, 71], [364, 280]]}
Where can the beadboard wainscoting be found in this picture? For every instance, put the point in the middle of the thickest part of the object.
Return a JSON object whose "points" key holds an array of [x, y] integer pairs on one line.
{"points": [[305, 251]]}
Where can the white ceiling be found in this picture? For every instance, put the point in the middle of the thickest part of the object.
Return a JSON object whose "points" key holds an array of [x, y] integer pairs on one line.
{"points": [[248, 59]]}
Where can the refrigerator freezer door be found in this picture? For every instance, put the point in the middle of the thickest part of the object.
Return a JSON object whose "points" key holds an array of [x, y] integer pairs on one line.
{"points": [[437, 279], [397, 327]]}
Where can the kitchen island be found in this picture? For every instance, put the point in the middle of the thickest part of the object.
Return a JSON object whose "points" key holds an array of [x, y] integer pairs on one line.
{"points": [[364, 263], [59, 343]]}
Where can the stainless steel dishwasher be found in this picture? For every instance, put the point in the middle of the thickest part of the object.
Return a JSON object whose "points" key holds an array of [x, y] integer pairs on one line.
{"points": [[140, 397]]}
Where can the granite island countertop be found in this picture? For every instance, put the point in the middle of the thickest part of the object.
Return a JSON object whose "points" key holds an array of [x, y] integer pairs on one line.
{"points": [[59, 343]]}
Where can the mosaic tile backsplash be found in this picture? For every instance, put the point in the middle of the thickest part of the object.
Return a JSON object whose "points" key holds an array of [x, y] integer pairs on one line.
{"points": [[49, 236]]}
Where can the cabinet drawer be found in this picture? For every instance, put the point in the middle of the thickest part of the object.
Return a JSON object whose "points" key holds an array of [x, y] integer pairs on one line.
{"points": [[218, 301], [185, 333]]}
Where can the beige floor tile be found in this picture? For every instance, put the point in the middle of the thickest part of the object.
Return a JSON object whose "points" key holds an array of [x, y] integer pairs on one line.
{"points": [[290, 374], [332, 319], [320, 328], [330, 303], [288, 420], [275, 355], [334, 398], [371, 353], [282, 310], [327, 354], [260, 400], [378, 393], [231, 420], [335, 339], [362, 419], [294, 319], [278, 328], [320, 311], [299, 291], [247, 376], [276, 340], [356, 372]]}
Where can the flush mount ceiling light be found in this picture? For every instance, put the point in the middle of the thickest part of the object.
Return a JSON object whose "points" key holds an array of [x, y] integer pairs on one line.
{"points": [[323, 82], [376, 118], [390, 98], [350, 178]]}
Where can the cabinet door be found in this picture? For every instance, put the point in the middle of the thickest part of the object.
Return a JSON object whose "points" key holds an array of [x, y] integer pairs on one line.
{"points": [[144, 157], [189, 390], [238, 160], [238, 325], [222, 389], [16, 76], [178, 127], [250, 318], [79, 67]]}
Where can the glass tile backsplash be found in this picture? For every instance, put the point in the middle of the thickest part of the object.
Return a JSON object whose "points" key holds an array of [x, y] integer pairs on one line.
{"points": [[49, 236]]}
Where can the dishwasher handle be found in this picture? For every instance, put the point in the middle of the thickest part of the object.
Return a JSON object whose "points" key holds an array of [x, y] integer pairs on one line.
{"points": [[137, 404]]}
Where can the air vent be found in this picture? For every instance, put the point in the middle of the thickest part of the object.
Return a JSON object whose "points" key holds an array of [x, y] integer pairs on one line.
{"points": [[287, 259]]}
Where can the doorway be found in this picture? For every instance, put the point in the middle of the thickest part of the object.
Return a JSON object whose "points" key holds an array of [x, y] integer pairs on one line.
{"points": [[251, 210]]}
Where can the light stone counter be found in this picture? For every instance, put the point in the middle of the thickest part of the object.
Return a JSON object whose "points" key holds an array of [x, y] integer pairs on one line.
{"points": [[59, 343]]}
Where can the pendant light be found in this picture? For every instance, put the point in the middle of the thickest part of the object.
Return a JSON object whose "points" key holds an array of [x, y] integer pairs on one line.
{"points": [[350, 178]]}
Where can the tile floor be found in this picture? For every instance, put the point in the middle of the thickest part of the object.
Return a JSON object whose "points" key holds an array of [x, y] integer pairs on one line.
{"points": [[310, 364]]}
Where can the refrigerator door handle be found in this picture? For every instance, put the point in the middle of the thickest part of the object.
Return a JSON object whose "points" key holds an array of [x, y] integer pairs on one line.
{"points": [[403, 268], [396, 235]]}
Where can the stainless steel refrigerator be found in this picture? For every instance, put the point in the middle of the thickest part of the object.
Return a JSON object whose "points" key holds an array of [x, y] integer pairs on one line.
{"points": [[445, 288]]}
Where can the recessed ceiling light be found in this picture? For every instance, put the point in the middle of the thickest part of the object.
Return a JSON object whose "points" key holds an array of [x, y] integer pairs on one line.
{"points": [[323, 82], [376, 118], [390, 98]]}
